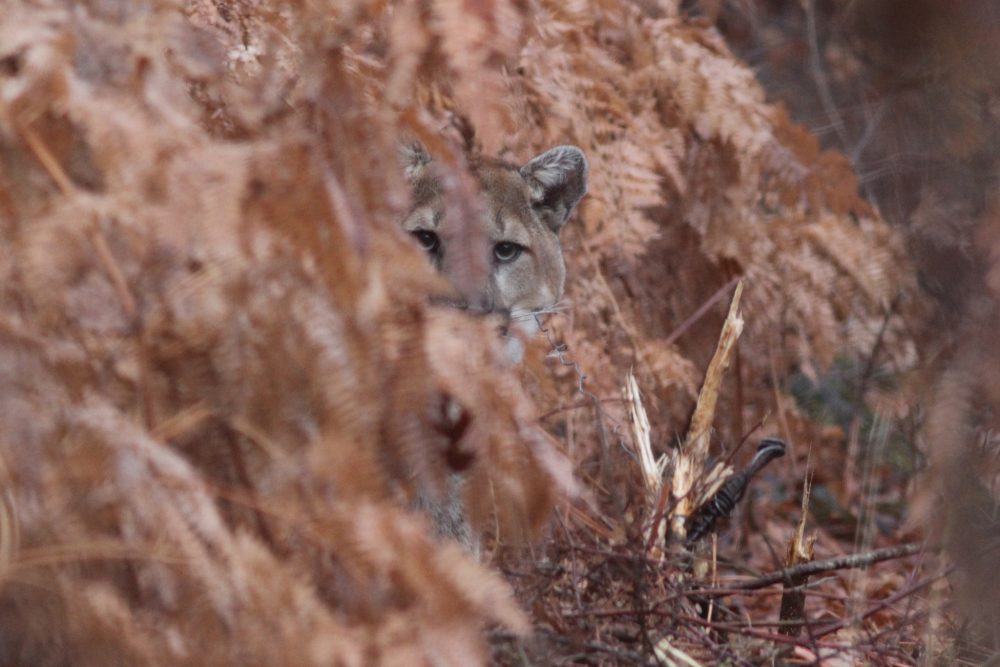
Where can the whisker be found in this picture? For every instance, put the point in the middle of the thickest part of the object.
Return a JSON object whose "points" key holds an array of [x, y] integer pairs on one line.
{"points": [[548, 310]]}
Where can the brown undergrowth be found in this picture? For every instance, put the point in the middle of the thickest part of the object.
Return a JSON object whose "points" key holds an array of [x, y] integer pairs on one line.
{"points": [[223, 381]]}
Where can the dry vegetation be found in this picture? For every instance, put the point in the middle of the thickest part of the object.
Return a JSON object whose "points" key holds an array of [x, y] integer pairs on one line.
{"points": [[222, 383]]}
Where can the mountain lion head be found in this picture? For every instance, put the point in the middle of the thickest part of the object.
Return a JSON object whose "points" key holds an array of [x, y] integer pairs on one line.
{"points": [[516, 232]]}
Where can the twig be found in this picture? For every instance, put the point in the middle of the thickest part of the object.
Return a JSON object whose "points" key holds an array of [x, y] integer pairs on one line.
{"points": [[874, 121], [850, 562], [47, 160], [718, 592], [800, 551], [650, 466], [62, 180], [693, 318], [576, 406], [876, 348], [631, 657], [575, 570], [752, 632], [619, 313], [746, 436], [882, 604], [558, 350], [779, 406], [819, 75], [105, 258]]}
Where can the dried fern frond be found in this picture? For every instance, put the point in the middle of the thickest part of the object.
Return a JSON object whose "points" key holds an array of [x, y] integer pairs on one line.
{"points": [[221, 378]]}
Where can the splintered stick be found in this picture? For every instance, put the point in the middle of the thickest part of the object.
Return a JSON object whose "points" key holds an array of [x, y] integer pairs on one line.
{"points": [[800, 550], [650, 466], [694, 452]]}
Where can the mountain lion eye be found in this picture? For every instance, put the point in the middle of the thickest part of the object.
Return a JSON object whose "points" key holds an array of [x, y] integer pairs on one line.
{"points": [[429, 241], [507, 251]]}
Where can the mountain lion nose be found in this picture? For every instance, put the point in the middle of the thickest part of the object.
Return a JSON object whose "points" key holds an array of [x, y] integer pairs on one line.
{"points": [[481, 304], [476, 304]]}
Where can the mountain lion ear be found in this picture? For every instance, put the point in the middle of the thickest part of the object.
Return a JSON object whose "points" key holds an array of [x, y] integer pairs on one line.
{"points": [[558, 180], [414, 158]]}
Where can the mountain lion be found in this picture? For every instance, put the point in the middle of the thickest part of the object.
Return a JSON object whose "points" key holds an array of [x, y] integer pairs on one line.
{"points": [[517, 236], [504, 259]]}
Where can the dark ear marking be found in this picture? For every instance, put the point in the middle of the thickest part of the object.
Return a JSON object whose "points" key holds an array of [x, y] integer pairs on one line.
{"points": [[414, 158], [558, 180]]}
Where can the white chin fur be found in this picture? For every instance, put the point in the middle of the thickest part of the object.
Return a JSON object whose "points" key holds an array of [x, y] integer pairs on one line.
{"points": [[521, 330], [514, 347]]}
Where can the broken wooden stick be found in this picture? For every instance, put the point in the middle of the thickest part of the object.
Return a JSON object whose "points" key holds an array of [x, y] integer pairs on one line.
{"points": [[800, 550], [690, 460]]}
